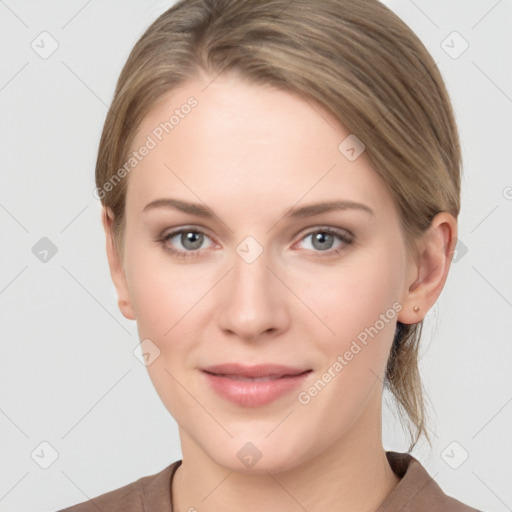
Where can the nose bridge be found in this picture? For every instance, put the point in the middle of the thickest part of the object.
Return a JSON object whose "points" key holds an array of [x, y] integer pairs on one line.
{"points": [[250, 272], [252, 304]]}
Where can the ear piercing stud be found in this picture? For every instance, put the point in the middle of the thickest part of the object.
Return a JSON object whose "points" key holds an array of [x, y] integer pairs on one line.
{"points": [[416, 309]]}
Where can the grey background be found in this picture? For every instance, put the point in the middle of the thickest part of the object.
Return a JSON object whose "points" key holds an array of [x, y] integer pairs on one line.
{"points": [[68, 373]]}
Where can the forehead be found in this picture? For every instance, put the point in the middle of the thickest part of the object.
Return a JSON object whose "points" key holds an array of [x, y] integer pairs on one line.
{"points": [[232, 142]]}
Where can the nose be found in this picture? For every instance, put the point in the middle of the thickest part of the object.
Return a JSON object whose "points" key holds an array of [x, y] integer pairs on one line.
{"points": [[253, 304]]}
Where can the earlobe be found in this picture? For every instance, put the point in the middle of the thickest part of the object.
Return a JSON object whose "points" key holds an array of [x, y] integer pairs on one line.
{"points": [[117, 272], [429, 271]]}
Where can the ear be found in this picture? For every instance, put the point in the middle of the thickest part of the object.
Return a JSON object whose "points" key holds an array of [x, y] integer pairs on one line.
{"points": [[116, 266], [428, 272]]}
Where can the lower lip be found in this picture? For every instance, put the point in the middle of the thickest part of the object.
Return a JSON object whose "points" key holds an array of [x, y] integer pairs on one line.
{"points": [[246, 393]]}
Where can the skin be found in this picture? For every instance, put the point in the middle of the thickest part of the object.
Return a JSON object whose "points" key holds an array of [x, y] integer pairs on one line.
{"points": [[250, 153]]}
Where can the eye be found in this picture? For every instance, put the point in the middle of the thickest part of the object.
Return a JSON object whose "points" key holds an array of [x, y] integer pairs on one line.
{"points": [[328, 240], [185, 242], [188, 242]]}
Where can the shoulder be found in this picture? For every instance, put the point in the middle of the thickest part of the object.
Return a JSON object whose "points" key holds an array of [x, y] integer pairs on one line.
{"points": [[417, 491], [147, 493]]}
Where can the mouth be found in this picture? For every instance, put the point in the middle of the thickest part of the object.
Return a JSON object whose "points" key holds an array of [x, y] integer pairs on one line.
{"points": [[253, 386], [256, 373], [254, 379]]}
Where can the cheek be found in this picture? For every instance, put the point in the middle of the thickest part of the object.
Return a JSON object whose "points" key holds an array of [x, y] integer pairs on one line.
{"points": [[166, 298], [359, 303], [354, 295], [163, 292], [173, 306]]}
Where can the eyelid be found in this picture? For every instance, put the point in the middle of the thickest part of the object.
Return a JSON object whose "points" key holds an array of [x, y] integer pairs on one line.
{"points": [[328, 229], [166, 233]]}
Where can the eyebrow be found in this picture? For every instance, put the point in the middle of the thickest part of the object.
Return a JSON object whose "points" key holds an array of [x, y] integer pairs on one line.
{"points": [[297, 212]]}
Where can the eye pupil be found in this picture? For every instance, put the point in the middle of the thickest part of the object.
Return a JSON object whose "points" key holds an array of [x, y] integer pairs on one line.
{"points": [[322, 237], [192, 240]]}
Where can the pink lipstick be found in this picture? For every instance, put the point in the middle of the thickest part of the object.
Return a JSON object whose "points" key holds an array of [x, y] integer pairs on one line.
{"points": [[254, 386]]}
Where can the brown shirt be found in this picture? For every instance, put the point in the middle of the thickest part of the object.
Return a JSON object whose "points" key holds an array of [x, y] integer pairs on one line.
{"points": [[416, 492]]}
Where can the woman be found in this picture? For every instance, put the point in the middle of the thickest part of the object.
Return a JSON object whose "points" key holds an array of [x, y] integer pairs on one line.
{"points": [[281, 185]]}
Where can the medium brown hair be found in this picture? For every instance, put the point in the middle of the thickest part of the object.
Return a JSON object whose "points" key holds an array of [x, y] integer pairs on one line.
{"points": [[357, 59]]}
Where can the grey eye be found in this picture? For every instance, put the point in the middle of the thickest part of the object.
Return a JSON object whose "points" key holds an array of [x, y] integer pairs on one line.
{"points": [[191, 240], [322, 240]]}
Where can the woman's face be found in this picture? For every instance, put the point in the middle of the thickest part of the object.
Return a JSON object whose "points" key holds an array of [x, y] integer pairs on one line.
{"points": [[250, 276]]}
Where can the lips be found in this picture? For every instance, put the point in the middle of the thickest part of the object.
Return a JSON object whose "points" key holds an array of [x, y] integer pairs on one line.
{"points": [[253, 386], [261, 371]]}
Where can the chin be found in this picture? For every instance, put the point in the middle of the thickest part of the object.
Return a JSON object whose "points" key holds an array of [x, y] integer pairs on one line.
{"points": [[253, 455]]}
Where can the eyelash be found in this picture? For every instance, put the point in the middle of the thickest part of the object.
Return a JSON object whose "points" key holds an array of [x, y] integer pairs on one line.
{"points": [[346, 239]]}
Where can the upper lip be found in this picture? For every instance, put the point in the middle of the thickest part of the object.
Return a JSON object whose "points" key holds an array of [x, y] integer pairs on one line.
{"points": [[260, 370]]}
